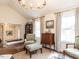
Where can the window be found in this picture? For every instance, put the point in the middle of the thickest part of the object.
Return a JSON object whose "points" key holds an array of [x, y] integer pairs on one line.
{"points": [[37, 28], [68, 27]]}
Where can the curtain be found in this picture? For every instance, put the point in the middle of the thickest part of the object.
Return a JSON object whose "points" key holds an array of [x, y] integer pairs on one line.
{"points": [[77, 22], [58, 32], [42, 24], [33, 20]]}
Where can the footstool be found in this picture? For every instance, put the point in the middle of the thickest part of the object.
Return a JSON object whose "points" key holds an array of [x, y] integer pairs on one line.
{"points": [[33, 47], [7, 56]]}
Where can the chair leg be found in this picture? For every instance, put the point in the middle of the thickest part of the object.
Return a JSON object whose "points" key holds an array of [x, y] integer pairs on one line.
{"points": [[26, 51], [64, 53], [50, 47], [54, 46], [30, 54], [41, 50]]}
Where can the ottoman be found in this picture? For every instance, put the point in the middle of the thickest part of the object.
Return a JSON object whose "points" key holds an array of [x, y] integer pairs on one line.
{"points": [[33, 47], [7, 56]]}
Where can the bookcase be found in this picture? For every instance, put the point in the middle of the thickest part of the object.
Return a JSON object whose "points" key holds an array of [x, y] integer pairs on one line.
{"points": [[28, 29]]}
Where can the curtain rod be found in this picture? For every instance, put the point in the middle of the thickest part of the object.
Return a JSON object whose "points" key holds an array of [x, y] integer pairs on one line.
{"points": [[38, 17], [66, 10]]}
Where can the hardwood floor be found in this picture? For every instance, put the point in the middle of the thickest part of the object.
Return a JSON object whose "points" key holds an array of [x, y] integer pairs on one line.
{"points": [[12, 49], [45, 55]]}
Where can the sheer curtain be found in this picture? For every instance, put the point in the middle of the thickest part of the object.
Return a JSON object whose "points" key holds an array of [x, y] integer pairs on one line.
{"points": [[58, 32], [67, 28], [42, 23], [37, 28], [77, 22]]}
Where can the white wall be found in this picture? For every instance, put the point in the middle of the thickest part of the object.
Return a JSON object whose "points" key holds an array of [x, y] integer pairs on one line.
{"points": [[47, 18], [8, 15]]}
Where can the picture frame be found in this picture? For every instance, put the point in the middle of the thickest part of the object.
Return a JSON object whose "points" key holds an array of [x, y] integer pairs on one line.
{"points": [[50, 24], [9, 33]]}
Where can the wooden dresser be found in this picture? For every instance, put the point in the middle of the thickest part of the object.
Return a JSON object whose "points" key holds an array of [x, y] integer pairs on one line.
{"points": [[48, 39]]}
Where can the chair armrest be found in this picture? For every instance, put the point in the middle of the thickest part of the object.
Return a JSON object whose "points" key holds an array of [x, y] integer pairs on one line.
{"points": [[69, 44]]}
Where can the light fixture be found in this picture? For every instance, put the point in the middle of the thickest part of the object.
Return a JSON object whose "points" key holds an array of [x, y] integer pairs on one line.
{"points": [[32, 4]]}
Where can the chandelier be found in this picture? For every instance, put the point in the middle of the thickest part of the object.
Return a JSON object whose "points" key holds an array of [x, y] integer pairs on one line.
{"points": [[32, 4]]}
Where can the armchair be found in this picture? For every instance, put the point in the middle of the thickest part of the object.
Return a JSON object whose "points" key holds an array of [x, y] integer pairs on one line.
{"points": [[30, 39], [32, 44], [73, 52]]}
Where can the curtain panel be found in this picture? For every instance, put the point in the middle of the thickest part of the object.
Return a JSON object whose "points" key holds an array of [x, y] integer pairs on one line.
{"points": [[77, 22], [58, 32]]}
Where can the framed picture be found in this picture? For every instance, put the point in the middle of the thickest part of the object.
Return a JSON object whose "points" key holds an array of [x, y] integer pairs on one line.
{"points": [[50, 24], [9, 33]]}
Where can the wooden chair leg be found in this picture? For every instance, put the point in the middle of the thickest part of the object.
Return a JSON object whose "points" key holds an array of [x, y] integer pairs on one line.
{"points": [[30, 54], [41, 50], [50, 47], [64, 53], [26, 51], [54, 46]]}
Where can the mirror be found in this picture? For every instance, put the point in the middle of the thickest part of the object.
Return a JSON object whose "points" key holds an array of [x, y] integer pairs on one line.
{"points": [[10, 32]]}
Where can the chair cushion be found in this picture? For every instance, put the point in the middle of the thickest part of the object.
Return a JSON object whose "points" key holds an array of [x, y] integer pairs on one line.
{"points": [[32, 47], [29, 42], [72, 52]]}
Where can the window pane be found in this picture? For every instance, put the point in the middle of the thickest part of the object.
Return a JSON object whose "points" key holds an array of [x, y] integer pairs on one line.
{"points": [[37, 28], [68, 27]]}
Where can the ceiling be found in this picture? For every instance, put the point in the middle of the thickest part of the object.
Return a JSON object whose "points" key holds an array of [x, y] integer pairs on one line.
{"points": [[3, 2], [51, 6]]}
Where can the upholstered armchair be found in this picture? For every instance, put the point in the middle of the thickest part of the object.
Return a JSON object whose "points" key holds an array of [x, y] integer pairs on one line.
{"points": [[30, 39], [73, 52], [32, 44]]}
